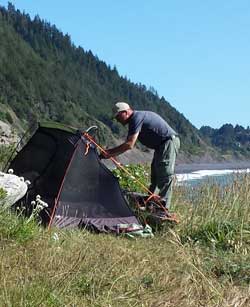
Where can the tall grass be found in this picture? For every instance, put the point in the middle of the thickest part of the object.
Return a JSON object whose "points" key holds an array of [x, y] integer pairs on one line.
{"points": [[203, 261], [5, 153]]}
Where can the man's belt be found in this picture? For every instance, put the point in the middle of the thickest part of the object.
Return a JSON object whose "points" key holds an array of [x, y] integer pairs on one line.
{"points": [[171, 137]]}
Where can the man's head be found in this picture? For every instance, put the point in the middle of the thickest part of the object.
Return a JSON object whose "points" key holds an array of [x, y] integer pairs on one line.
{"points": [[122, 112]]}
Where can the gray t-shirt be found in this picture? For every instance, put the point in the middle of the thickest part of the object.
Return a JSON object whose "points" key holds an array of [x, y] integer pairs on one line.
{"points": [[153, 129]]}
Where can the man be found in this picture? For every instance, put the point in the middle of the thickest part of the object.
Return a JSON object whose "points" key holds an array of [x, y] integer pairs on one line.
{"points": [[155, 133]]}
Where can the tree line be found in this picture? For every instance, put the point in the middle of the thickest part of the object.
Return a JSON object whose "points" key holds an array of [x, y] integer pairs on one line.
{"points": [[228, 137]]}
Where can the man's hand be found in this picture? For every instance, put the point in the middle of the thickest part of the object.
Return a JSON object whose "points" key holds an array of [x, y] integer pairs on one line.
{"points": [[101, 156], [104, 155], [113, 152]]}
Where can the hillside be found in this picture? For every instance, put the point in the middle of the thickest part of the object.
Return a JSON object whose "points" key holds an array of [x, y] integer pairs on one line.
{"points": [[229, 140], [45, 76]]}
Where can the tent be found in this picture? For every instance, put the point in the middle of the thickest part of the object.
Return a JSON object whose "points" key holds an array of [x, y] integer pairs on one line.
{"points": [[64, 168]]}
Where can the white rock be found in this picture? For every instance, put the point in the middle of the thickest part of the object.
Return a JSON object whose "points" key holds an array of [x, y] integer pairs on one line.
{"points": [[14, 187]]}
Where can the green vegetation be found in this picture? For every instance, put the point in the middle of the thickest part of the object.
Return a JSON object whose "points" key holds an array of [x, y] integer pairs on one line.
{"points": [[137, 180], [3, 195], [229, 139], [203, 261], [5, 153]]}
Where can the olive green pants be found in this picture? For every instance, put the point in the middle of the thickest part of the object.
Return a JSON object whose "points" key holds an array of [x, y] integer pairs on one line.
{"points": [[162, 169]]}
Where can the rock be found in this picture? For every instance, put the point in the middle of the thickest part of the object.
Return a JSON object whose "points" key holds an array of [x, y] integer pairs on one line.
{"points": [[14, 186], [7, 134]]}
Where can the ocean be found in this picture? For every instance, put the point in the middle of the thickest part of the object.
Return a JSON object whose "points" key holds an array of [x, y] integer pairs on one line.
{"points": [[220, 177]]}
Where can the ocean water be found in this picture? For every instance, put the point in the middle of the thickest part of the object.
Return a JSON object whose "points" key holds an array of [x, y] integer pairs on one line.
{"points": [[220, 177]]}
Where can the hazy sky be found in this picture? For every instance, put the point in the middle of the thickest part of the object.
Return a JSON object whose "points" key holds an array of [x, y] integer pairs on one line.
{"points": [[194, 53]]}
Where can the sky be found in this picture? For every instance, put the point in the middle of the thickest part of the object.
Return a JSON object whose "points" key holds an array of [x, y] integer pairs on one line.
{"points": [[194, 53]]}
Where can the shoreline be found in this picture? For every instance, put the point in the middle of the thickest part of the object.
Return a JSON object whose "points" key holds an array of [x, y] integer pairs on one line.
{"points": [[192, 167]]}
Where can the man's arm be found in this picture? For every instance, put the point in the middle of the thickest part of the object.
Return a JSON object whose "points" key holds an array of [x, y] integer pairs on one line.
{"points": [[129, 144]]}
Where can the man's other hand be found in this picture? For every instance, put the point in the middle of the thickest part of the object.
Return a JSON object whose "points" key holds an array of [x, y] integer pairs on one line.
{"points": [[104, 155]]}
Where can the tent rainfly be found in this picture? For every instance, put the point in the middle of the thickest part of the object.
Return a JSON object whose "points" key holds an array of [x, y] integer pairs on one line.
{"points": [[66, 171]]}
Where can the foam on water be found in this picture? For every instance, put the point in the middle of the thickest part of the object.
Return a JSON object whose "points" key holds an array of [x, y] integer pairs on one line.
{"points": [[207, 173]]}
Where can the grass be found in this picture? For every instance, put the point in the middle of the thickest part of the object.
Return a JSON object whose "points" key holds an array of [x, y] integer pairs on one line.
{"points": [[5, 153], [203, 261]]}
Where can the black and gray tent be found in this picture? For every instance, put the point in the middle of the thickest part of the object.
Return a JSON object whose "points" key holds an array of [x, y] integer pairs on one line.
{"points": [[66, 171]]}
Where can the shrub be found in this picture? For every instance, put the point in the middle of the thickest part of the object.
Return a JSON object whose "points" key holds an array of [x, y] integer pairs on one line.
{"points": [[134, 177]]}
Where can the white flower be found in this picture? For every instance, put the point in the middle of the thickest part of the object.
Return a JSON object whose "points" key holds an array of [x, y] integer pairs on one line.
{"points": [[55, 237]]}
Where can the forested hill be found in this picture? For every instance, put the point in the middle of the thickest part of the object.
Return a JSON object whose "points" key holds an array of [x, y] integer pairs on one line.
{"points": [[228, 139], [44, 76]]}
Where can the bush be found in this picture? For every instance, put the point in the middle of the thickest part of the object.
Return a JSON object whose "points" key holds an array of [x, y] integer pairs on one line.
{"points": [[134, 178]]}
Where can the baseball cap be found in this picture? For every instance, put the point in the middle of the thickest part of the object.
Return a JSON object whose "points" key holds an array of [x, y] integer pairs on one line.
{"points": [[119, 107]]}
